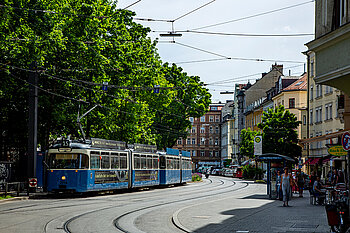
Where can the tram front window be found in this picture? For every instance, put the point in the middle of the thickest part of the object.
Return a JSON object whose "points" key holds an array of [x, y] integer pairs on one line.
{"points": [[69, 161]]}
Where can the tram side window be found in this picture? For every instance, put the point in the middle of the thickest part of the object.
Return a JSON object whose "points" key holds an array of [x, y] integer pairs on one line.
{"points": [[149, 161], [68, 161], [162, 164], [105, 162], [137, 162], [95, 162], [155, 162], [169, 164], [115, 162], [143, 162], [123, 164]]}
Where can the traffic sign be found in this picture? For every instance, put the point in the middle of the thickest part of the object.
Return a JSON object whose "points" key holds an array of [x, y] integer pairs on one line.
{"points": [[258, 145], [33, 182], [345, 141]]}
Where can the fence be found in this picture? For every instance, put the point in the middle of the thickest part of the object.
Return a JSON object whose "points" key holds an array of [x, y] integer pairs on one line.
{"points": [[14, 188]]}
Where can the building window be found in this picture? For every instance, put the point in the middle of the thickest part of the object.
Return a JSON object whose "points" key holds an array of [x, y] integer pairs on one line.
{"points": [[292, 103], [326, 112], [193, 141], [320, 115], [330, 108], [202, 141], [311, 92], [202, 153], [214, 108], [179, 141], [211, 118], [324, 12], [311, 117], [202, 119], [312, 68], [202, 130], [188, 141], [193, 129], [304, 120], [191, 119], [193, 153], [217, 129], [210, 153], [210, 141], [216, 141], [211, 129], [217, 118], [216, 153]]}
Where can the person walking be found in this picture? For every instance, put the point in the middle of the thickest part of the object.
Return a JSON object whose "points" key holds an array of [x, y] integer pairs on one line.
{"points": [[286, 183]]}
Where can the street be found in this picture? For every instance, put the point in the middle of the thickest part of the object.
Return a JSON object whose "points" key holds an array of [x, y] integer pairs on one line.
{"points": [[217, 204]]}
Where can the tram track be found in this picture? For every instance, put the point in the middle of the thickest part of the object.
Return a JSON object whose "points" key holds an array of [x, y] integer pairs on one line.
{"points": [[178, 226], [66, 225]]}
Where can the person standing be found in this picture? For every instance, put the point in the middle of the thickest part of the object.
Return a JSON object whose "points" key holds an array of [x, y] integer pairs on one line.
{"points": [[286, 183], [278, 184], [300, 183]]}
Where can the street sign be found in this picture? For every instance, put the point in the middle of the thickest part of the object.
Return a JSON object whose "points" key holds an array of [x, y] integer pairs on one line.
{"points": [[258, 145], [345, 141], [337, 151], [33, 182]]}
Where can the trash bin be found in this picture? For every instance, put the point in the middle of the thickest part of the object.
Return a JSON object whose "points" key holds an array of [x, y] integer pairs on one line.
{"points": [[332, 215]]}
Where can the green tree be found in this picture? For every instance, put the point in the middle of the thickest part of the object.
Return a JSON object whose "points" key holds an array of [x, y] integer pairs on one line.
{"points": [[246, 147], [279, 132]]}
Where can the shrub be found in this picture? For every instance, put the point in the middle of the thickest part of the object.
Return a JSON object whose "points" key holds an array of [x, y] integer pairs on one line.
{"points": [[250, 172], [196, 177]]}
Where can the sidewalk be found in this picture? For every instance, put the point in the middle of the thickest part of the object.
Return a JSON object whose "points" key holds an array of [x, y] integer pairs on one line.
{"points": [[254, 213]]}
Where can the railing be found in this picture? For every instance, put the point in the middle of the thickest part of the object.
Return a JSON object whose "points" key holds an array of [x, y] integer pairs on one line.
{"points": [[13, 188]]}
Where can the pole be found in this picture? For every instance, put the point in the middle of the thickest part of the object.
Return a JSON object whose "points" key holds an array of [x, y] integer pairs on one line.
{"points": [[32, 121]]}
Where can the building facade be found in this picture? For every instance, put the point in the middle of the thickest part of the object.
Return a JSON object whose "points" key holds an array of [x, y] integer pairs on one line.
{"points": [[227, 131], [203, 140]]}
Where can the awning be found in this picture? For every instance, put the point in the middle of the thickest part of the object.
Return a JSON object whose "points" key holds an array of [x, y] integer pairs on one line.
{"points": [[245, 163], [314, 161], [307, 161], [323, 137]]}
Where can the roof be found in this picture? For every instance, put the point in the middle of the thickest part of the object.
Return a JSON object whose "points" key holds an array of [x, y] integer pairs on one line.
{"points": [[300, 84], [274, 157]]}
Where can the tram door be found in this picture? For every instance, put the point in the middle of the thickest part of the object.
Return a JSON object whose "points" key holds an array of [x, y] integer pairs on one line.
{"points": [[131, 165], [181, 168]]}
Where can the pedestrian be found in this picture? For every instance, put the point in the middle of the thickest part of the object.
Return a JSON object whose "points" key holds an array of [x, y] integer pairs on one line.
{"points": [[278, 185], [300, 183], [286, 186], [313, 178], [335, 177]]}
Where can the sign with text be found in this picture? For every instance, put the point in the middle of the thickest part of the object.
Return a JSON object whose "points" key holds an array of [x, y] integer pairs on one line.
{"points": [[258, 145], [102, 177], [337, 151]]}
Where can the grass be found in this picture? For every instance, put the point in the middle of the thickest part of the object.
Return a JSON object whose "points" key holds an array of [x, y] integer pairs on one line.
{"points": [[5, 197]]}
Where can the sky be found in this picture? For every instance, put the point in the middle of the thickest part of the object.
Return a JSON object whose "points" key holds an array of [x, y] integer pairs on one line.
{"points": [[221, 73]]}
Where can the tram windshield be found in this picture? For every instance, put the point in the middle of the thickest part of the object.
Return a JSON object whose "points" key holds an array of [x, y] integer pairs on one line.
{"points": [[68, 161]]}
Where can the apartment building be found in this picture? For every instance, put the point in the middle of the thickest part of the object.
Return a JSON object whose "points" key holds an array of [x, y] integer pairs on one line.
{"points": [[203, 140], [227, 132]]}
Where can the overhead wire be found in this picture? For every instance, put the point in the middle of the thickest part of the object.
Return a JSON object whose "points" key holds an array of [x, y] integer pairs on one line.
{"points": [[132, 4], [255, 15], [182, 16], [247, 34]]}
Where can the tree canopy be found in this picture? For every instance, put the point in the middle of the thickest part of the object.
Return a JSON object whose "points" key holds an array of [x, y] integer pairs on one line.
{"points": [[246, 147], [76, 47], [279, 132]]}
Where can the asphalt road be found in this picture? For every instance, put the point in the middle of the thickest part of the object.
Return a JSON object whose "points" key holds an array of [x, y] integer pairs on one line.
{"points": [[195, 207]]}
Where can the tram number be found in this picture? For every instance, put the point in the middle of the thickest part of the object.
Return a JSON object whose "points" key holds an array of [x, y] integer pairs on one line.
{"points": [[65, 143]]}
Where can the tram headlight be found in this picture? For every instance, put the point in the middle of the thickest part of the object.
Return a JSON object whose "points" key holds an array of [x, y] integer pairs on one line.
{"points": [[63, 178]]}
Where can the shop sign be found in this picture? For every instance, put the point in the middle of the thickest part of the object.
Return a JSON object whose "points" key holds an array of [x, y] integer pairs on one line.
{"points": [[337, 151]]}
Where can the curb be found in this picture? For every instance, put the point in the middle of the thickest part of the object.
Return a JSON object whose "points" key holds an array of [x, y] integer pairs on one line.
{"points": [[176, 221], [14, 199]]}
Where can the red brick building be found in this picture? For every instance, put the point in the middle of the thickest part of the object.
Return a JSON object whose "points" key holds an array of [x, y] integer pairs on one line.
{"points": [[204, 140]]}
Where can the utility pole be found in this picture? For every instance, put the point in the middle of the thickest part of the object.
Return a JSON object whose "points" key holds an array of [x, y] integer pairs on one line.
{"points": [[32, 121]]}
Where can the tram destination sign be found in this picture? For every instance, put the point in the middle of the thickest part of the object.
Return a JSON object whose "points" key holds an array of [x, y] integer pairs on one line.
{"points": [[103, 143], [145, 148]]}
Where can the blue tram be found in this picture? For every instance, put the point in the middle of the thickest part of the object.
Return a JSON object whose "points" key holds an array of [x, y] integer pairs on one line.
{"points": [[186, 167], [98, 164], [170, 171]]}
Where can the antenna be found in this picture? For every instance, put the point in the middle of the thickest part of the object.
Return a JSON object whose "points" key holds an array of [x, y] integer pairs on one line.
{"points": [[79, 119]]}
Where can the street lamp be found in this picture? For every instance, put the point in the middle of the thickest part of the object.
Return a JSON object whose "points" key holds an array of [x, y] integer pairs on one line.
{"points": [[171, 34]]}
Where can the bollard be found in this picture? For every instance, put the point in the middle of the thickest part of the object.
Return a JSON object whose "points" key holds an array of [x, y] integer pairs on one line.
{"points": [[18, 188], [6, 189]]}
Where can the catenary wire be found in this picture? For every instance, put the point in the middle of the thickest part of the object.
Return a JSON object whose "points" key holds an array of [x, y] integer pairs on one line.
{"points": [[132, 4], [247, 34], [255, 15], [182, 16]]}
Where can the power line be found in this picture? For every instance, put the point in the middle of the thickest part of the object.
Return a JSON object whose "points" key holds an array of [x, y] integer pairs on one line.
{"points": [[132, 4], [193, 10], [247, 35], [199, 61], [236, 58], [252, 16]]}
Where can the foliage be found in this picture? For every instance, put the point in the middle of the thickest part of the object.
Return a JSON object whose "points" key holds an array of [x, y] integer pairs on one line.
{"points": [[74, 53], [250, 172], [196, 177], [279, 132], [246, 147], [5, 197], [227, 162]]}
